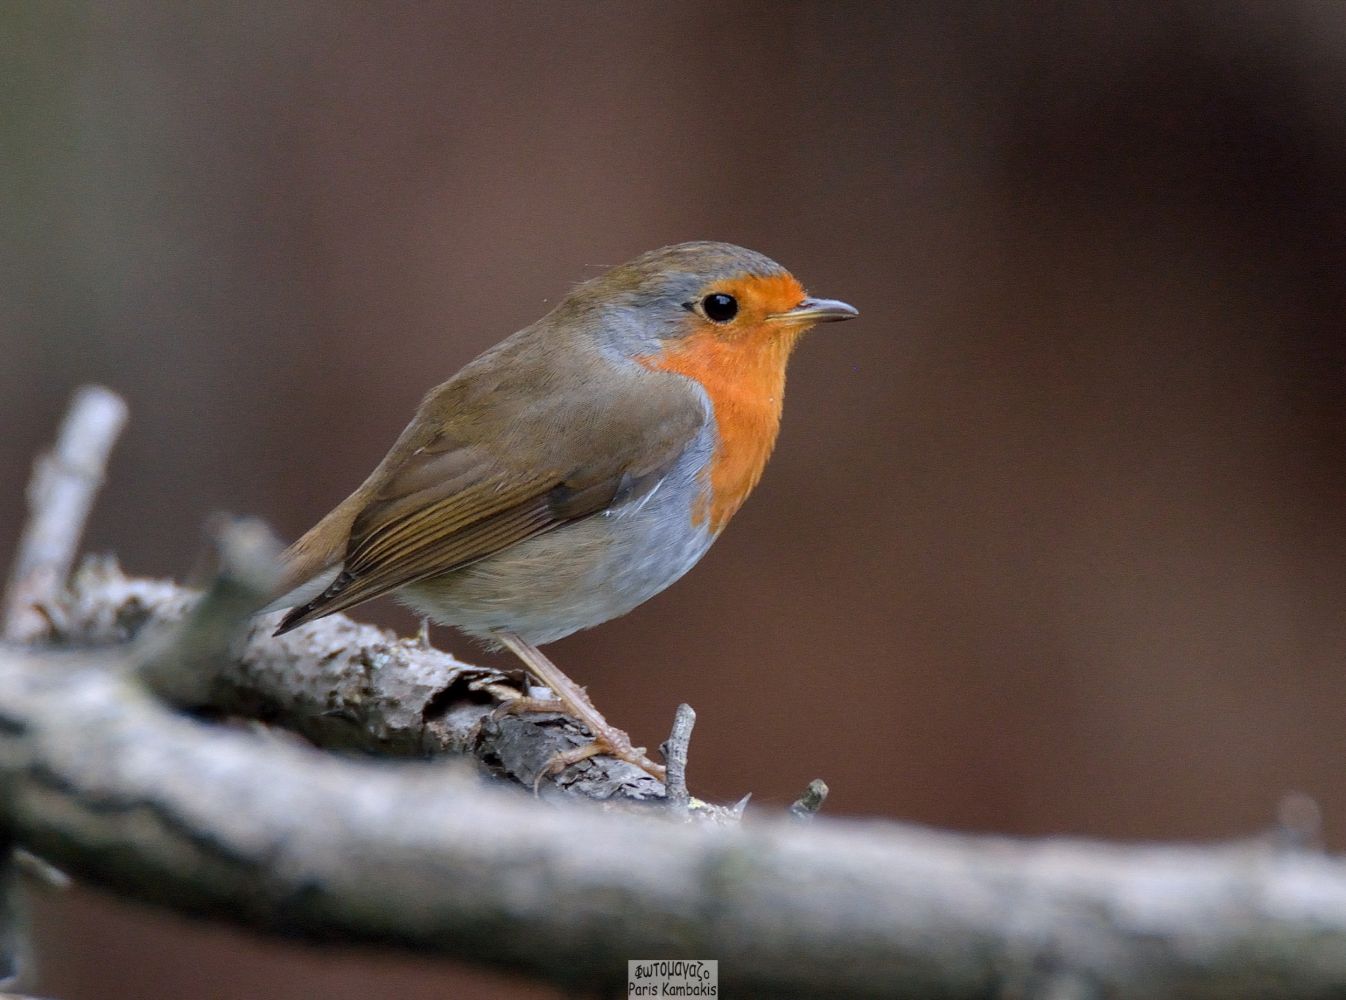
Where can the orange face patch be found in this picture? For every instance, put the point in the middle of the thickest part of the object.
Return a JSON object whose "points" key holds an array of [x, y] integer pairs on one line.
{"points": [[741, 365]]}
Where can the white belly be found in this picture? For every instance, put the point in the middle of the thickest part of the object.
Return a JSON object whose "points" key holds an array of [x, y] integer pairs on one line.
{"points": [[582, 574]]}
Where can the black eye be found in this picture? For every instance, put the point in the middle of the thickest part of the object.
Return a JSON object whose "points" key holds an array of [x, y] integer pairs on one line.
{"points": [[719, 308]]}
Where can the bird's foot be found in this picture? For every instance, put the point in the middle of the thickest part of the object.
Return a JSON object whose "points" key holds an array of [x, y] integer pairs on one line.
{"points": [[527, 703], [612, 742], [607, 739]]}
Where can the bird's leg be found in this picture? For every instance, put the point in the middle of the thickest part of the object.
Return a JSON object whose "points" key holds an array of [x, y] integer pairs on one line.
{"points": [[607, 738]]}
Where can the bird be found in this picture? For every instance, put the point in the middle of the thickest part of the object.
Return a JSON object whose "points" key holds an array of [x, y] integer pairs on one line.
{"points": [[577, 468]]}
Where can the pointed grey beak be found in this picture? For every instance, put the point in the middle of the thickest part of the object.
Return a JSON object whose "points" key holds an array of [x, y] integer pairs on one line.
{"points": [[813, 310]]}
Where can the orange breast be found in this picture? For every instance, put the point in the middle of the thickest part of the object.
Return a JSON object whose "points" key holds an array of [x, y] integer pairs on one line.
{"points": [[744, 376]]}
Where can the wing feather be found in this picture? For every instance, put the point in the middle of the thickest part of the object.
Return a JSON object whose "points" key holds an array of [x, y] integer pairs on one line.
{"points": [[467, 479]]}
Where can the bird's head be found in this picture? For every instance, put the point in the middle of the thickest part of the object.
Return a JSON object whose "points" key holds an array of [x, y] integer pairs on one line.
{"points": [[704, 293]]}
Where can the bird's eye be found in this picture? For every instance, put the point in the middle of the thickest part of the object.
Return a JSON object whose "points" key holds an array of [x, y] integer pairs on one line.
{"points": [[719, 308]]}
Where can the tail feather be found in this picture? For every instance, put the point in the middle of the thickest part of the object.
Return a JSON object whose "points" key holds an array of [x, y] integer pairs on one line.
{"points": [[314, 563], [320, 605], [305, 592]]}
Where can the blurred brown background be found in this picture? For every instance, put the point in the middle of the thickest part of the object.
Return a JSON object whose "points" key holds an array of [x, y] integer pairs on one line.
{"points": [[1053, 540]]}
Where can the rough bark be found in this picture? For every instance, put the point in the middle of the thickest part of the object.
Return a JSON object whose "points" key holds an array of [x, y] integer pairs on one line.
{"points": [[347, 686], [99, 776]]}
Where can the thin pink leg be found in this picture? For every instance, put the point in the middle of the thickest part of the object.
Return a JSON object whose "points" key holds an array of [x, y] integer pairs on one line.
{"points": [[607, 738]]}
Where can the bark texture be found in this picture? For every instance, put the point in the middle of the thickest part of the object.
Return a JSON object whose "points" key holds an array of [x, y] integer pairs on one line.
{"points": [[100, 777]]}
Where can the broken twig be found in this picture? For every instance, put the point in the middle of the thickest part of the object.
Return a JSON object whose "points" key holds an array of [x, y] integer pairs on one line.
{"points": [[808, 804], [675, 755], [60, 496]]}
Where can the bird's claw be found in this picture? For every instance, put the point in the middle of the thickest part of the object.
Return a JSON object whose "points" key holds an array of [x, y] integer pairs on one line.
{"points": [[619, 748]]}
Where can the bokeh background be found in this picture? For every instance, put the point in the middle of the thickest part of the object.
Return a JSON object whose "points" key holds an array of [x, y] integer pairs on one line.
{"points": [[1054, 538]]}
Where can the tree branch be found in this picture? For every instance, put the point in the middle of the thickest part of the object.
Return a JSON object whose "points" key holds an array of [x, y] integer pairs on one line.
{"points": [[339, 684], [60, 496], [98, 776], [807, 805]]}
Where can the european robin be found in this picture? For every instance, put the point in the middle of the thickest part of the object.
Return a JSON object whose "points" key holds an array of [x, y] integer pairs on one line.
{"points": [[577, 468]]}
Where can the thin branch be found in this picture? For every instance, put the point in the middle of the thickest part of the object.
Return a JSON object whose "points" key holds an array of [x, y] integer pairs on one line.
{"points": [[31, 866], [808, 804], [60, 496], [181, 664]]}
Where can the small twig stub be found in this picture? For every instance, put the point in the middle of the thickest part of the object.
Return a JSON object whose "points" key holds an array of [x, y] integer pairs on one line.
{"points": [[808, 804], [675, 750]]}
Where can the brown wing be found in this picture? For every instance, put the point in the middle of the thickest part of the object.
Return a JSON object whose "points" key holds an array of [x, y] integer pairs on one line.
{"points": [[468, 478]]}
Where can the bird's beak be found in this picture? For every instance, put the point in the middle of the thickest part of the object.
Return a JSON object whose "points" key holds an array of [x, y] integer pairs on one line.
{"points": [[816, 311]]}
